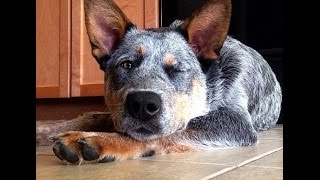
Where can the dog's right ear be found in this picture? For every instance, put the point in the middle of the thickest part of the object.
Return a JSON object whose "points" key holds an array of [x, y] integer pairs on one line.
{"points": [[106, 24], [207, 28]]}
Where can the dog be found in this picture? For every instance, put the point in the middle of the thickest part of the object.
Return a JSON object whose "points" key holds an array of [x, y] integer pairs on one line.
{"points": [[186, 87]]}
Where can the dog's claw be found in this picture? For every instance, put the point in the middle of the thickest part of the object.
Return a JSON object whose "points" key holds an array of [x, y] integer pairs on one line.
{"points": [[82, 141], [107, 159], [53, 138]]}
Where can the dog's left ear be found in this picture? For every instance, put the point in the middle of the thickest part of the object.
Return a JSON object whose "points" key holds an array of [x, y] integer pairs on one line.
{"points": [[106, 25], [207, 28]]}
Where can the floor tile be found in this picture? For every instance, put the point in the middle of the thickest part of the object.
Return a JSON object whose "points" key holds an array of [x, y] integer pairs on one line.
{"points": [[278, 126], [274, 160], [44, 150], [276, 133], [49, 167], [262, 161], [267, 167], [231, 157], [252, 173]]}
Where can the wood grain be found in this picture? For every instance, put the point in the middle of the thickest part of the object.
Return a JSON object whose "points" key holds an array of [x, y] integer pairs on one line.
{"points": [[65, 47], [151, 13], [52, 48], [134, 11], [47, 43], [48, 92], [75, 47], [92, 89]]}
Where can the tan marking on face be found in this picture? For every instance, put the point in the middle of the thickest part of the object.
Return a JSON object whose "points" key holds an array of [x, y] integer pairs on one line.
{"points": [[199, 99], [197, 89], [191, 105], [113, 102], [169, 59], [141, 50], [182, 108]]}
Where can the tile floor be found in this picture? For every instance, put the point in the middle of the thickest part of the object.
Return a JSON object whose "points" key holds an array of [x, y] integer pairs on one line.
{"points": [[263, 161]]}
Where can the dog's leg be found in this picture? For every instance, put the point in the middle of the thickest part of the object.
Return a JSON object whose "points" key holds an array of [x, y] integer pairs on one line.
{"points": [[88, 122], [75, 146], [221, 128], [224, 127]]}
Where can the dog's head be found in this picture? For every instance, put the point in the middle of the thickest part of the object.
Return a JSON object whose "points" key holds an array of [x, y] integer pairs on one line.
{"points": [[154, 83]]}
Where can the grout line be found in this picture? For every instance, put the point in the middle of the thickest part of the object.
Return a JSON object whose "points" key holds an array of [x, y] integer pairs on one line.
{"points": [[258, 157], [240, 164], [219, 173]]}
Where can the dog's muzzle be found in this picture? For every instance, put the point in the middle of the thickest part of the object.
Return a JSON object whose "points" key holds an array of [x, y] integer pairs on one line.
{"points": [[143, 105]]}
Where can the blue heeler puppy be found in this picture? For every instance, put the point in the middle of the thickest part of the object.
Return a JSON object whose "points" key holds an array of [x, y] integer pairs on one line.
{"points": [[187, 87]]}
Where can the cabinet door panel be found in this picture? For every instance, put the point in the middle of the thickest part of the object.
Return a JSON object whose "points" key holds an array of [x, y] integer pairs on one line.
{"points": [[52, 53], [65, 66]]}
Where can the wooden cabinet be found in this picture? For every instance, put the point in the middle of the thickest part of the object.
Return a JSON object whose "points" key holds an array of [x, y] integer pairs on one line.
{"points": [[52, 48], [65, 66]]}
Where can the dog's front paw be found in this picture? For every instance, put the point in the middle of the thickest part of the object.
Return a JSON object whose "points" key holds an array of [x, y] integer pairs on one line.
{"points": [[74, 146]]}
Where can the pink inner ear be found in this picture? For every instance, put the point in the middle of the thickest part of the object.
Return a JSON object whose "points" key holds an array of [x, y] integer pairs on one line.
{"points": [[107, 36], [208, 27], [202, 44], [197, 41], [109, 39]]}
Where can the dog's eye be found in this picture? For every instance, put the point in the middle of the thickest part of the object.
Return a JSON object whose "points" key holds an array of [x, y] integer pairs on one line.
{"points": [[175, 69], [180, 70], [126, 64]]}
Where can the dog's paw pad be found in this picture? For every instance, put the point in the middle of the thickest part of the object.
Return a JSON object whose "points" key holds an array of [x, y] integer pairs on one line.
{"points": [[88, 153], [56, 151], [107, 159], [65, 153]]}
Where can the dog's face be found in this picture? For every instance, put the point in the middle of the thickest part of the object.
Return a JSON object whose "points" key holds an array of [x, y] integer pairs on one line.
{"points": [[154, 83]]}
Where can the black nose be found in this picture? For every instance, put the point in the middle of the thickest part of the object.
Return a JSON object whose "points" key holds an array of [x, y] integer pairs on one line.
{"points": [[143, 105]]}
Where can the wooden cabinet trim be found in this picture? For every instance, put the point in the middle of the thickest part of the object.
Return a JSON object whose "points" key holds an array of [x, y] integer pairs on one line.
{"points": [[65, 48], [92, 90], [76, 47], [48, 92], [151, 13], [62, 32]]}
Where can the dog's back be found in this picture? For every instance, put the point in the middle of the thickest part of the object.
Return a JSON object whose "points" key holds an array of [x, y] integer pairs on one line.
{"points": [[248, 81]]}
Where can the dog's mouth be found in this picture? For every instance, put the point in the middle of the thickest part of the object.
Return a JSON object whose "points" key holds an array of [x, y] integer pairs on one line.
{"points": [[143, 131]]}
